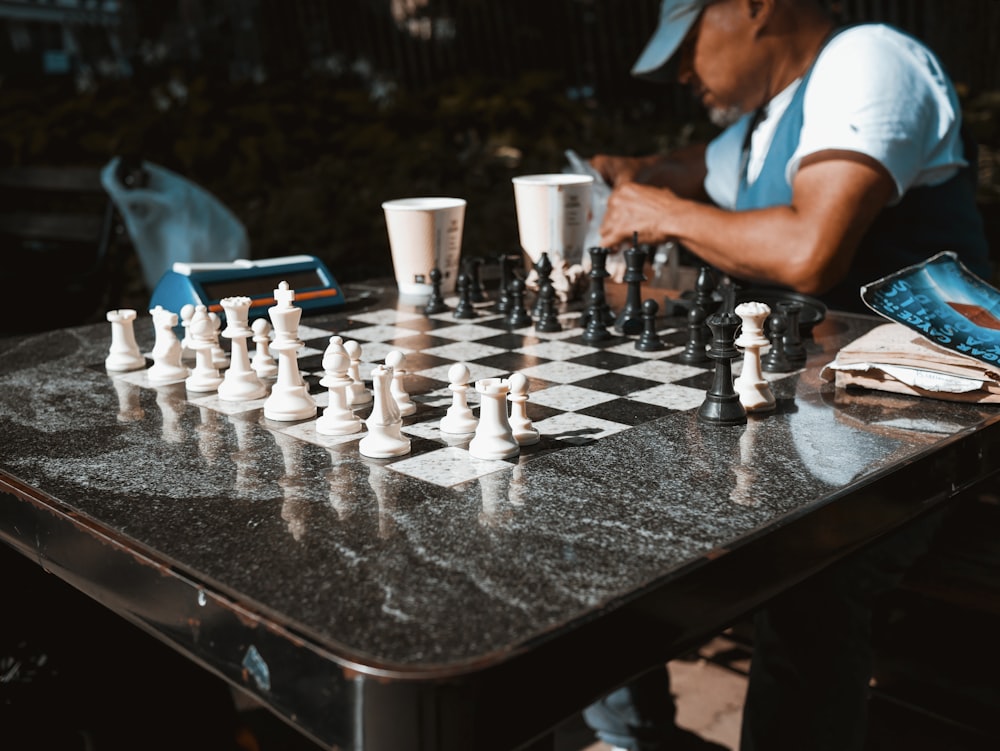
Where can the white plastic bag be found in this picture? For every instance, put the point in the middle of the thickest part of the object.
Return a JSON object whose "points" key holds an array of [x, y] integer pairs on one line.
{"points": [[599, 194], [171, 219]]}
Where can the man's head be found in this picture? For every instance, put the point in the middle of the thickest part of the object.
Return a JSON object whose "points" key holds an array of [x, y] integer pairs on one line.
{"points": [[735, 54]]}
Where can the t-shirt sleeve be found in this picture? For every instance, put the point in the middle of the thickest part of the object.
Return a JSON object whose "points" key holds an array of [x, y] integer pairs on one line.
{"points": [[723, 160], [881, 93]]}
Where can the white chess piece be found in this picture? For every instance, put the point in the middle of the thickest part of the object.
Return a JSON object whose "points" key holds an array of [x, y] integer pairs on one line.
{"points": [[384, 438], [167, 351], [459, 419], [395, 360], [218, 353], [240, 383], [290, 399], [201, 335], [263, 363], [753, 389], [359, 393], [524, 432], [187, 311], [337, 418], [124, 354], [494, 439]]}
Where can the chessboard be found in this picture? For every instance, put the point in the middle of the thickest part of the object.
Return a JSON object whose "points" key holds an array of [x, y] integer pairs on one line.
{"points": [[578, 392]]}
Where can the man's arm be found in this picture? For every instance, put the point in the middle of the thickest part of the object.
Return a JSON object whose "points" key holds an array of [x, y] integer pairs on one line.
{"points": [[807, 245], [681, 171]]}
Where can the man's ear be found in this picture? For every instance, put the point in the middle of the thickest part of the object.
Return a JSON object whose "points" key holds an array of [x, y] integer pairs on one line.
{"points": [[760, 11]]}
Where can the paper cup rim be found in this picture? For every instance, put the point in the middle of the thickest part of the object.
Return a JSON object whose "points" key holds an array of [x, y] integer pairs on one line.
{"points": [[553, 178], [423, 203]]}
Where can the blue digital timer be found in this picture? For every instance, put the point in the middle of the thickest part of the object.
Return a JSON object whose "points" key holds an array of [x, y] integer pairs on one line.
{"points": [[209, 283]]}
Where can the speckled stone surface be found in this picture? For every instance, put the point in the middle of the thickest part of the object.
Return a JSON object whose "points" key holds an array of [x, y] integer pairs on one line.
{"points": [[384, 568]]}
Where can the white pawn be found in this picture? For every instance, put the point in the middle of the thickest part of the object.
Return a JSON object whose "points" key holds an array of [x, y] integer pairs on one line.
{"points": [[459, 419], [124, 353], [337, 418], [167, 366], [494, 439], [384, 438], [395, 360], [201, 334], [359, 394], [218, 353], [240, 382], [753, 389], [520, 424], [263, 362]]}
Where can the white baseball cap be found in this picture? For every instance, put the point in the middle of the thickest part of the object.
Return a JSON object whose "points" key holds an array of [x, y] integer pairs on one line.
{"points": [[676, 19]]}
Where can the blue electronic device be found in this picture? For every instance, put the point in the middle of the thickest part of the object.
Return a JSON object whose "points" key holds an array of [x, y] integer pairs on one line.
{"points": [[209, 283]]}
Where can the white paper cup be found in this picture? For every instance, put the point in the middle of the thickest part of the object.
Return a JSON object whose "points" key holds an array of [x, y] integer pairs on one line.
{"points": [[425, 233], [553, 215]]}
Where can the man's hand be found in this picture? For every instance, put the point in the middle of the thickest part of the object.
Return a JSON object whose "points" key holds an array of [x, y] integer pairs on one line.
{"points": [[632, 208]]}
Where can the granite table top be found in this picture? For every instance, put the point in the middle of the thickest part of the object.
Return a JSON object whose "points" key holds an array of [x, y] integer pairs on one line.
{"points": [[386, 576]]}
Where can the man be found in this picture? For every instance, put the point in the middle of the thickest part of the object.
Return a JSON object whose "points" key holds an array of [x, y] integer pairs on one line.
{"points": [[843, 161]]}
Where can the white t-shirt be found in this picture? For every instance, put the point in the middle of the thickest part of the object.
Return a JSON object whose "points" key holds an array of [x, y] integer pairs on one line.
{"points": [[873, 90]]}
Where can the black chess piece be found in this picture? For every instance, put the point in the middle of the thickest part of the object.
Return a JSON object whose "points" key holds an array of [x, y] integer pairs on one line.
{"points": [[701, 308], [464, 309], [543, 270], [722, 404], [776, 360], [630, 319], [649, 340], [471, 266], [597, 300], [596, 329], [795, 349], [436, 303], [517, 315], [547, 319], [506, 276]]}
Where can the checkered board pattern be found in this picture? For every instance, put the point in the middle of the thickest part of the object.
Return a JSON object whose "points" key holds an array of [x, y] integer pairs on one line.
{"points": [[578, 392]]}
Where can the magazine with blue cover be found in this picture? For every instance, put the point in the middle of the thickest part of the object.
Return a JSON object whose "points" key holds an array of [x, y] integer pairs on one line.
{"points": [[943, 301]]}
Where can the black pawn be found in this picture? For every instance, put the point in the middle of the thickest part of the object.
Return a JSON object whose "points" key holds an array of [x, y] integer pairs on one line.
{"points": [[436, 303], [649, 340], [471, 267], [464, 308], [543, 268], [702, 307], [795, 349], [547, 319], [630, 320], [722, 404], [517, 315], [776, 360], [596, 329]]}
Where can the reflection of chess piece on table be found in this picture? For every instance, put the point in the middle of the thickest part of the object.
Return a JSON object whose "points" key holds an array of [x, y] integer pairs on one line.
{"points": [[742, 493], [129, 404], [290, 399], [495, 512], [124, 354], [754, 390], [209, 432], [295, 507], [380, 481], [170, 400], [240, 382], [248, 468], [341, 495]]}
